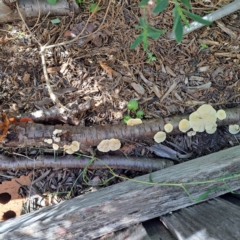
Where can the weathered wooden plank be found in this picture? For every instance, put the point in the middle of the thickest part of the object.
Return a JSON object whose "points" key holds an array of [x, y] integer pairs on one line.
{"points": [[215, 219], [127, 203], [157, 231], [135, 232]]}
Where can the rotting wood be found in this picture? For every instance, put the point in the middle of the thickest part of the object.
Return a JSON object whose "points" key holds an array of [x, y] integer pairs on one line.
{"points": [[115, 162], [33, 135], [30, 8], [122, 205], [215, 219]]}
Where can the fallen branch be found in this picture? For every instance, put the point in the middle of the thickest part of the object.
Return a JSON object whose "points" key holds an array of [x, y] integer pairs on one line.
{"points": [[30, 8], [33, 135], [214, 16], [131, 163]]}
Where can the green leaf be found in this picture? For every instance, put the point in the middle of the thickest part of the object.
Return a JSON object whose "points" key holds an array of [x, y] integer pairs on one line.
{"points": [[132, 105], [94, 7], [160, 6], [196, 18], [150, 177], [154, 33], [55, 21], [143, 3], [139, 114], [145, 42], [52, 2], [143, 22], [186, 3], [177, 27], [137, 41], [126, 118], [184, 18], [204, 195]]}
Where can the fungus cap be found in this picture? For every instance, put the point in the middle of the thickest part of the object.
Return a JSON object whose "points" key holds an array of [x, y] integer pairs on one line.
{"points": [[134, 121], [210, 129], [184, 125], [69, 151], [56, 131], [49, 141], [55, 146], [75, 146], [196, 122], [160, 137], [206, 109], [114, 144], [168, 127], [234, 129], [191, 133], [221, 114], [103, 146], [56, 139]]}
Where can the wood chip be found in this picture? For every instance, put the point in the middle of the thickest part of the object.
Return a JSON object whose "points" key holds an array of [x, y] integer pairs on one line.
{"points": [[196, 78], [170, 72], [172, 87], [145, 80], [26, 77], [203, 69], [53, 69], [156, 91], [138, 88]]}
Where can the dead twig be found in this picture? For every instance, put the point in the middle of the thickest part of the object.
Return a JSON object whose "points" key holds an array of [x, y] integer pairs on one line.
{"points": [[69, 161]]}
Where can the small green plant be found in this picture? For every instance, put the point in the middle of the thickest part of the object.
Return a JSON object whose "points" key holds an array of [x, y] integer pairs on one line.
{"points": [[94, 7], [139, 114], [203, 46], [132, 105], [179, 14], [147, 32], [150, 57], [126, 118]]}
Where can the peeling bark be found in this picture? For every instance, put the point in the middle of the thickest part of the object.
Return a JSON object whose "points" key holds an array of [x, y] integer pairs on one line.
{"points": [[69, 161], [33, 135], [30, 8]]}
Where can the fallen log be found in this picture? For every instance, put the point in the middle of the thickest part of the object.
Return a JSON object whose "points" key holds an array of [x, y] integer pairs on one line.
{"points": [[36, 8], [122, 205], [115, 162], [33, 135]]}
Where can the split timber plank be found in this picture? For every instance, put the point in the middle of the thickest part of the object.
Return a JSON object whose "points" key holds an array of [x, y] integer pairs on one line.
{"points": [[216, 219], [157, 231], [122, 205], [135, 232]]}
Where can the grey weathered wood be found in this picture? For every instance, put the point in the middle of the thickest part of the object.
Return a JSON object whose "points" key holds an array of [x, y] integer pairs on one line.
{"points": [[135, 232], [157, 231], [216, 219], [127, 203]]}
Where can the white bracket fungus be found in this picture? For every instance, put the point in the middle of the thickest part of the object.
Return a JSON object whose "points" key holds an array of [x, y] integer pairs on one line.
{"points": [[168, 127], [160, 137], [48, 141], [109, 145], [70, 149], [134, 121], [234, 129], [184, 125], [221, 114]]}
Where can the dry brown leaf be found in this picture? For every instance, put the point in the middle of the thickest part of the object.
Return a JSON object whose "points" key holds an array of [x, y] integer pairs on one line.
{"points": [[138, 88], [5, 39], [4, 126], [53, 69], [108, 70]]}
